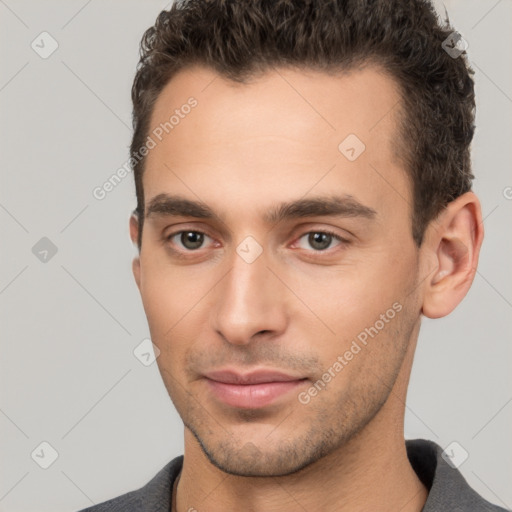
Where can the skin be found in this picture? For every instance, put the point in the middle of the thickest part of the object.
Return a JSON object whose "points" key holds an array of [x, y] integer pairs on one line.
{"points": [[241, 151]]}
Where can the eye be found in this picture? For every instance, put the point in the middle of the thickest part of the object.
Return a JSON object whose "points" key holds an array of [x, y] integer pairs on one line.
{"points": [[188, 240], [320, 240]]}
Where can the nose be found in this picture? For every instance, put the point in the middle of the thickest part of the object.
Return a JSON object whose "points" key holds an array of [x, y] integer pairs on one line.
{"points": [[249, 300]]}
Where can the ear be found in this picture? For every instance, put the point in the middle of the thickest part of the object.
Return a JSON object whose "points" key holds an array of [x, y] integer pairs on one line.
{"points": [[134, 235], [452, 246]]}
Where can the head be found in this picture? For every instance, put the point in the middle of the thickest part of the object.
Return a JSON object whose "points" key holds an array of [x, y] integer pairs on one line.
{"points": [[303, 197]]}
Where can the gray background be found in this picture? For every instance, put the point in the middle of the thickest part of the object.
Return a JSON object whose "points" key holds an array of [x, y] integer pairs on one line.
{"points": [[68, 375]]}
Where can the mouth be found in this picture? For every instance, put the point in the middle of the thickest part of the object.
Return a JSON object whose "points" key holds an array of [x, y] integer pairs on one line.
{"points": [[251, 390]]}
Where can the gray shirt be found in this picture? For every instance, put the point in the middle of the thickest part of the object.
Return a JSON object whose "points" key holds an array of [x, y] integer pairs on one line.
{"points": [[448, 490]]}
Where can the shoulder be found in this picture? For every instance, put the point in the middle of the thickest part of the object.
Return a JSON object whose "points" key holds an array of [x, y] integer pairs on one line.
{"points": [[448, 489], [155, 496]]}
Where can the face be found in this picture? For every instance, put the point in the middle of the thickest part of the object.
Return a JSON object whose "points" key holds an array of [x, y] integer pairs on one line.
{"points": [[272, 252]]}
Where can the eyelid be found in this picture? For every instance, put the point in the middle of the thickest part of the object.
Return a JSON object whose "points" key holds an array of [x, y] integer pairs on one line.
{"points": [[183, 227], [341, 234]]}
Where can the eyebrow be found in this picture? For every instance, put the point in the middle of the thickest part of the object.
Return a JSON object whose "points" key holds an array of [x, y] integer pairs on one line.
{"points": [[332, 206]]}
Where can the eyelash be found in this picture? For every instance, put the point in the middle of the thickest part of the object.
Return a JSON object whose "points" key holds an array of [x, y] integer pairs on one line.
{"points": [[318, 253]]}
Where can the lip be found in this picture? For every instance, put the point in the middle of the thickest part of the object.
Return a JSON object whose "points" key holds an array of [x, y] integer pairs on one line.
{"points": [[254, 377], [251, 390]]}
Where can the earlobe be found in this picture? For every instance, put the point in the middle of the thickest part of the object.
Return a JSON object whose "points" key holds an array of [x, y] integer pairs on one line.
{"points": [[453, 245], [134, 233]]}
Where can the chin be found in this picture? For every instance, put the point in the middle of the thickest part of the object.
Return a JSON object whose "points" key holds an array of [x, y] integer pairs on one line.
{"points": [[253, 459]]}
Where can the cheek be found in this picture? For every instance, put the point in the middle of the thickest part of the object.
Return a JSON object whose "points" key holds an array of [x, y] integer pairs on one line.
{"points": [[167, 290], [158, 298], [352, 297], [165, 296], [364, 307], [175, 300]]}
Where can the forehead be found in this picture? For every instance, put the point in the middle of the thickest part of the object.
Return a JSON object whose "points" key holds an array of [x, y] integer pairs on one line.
{"points": [[286, 127], [284, 102]]}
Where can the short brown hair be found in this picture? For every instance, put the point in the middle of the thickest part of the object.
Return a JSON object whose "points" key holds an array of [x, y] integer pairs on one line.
{"points": [[241, 38]]}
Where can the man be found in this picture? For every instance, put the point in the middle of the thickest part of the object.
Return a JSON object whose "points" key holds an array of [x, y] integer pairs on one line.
{"points": [[304, 196]]}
